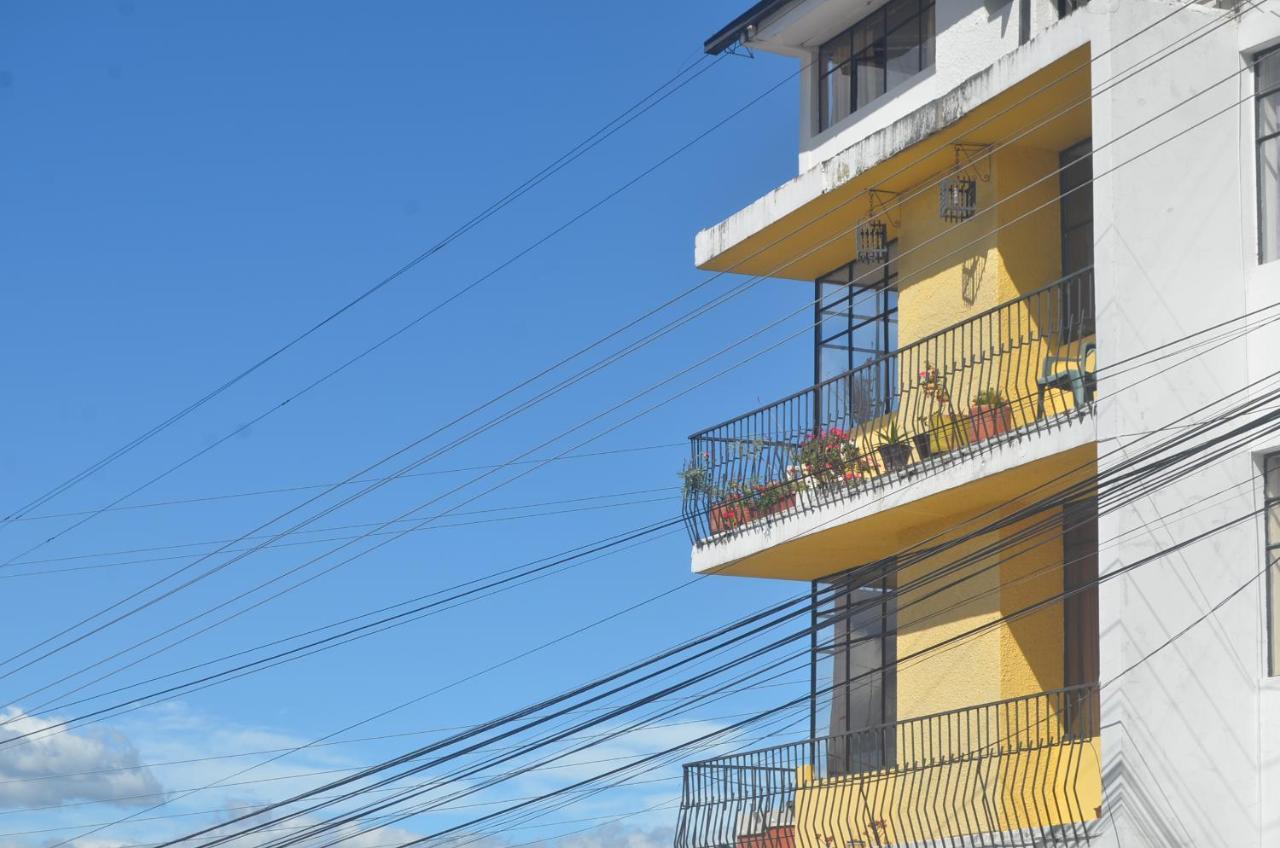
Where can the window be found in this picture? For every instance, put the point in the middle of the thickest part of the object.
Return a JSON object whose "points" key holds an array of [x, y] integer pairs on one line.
{"points": [[856, 635], [1080, 610], [1066, 7], [1266, 76], [1271, 492], [856, 324], [890, 45], [1081, 659], [1075, 214]]}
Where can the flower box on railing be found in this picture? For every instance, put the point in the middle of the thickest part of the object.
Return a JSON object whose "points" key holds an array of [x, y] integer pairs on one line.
{"points": [[734, 514]]}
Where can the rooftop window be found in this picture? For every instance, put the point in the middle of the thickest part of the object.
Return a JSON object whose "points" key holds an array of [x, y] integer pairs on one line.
{"points": [[889, 46]]}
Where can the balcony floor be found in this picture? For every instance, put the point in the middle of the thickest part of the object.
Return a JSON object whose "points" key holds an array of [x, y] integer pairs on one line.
{"points": [[871, 524]]}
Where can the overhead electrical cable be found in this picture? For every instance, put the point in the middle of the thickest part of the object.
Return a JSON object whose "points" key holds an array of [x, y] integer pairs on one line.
{"points": [[56, 635], [644, 104]]}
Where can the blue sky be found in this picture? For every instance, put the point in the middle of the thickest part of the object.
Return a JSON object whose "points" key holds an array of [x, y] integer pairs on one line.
{"points": [[188, 185]]}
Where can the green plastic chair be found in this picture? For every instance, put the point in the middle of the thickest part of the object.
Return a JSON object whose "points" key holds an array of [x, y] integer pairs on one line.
{"points": [[1079, 380]]}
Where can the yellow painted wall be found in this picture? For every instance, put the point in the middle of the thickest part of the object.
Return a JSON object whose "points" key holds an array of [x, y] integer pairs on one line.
{"points": [[1002, 790], [1014, 658], [949, 272], [1029, 242]]}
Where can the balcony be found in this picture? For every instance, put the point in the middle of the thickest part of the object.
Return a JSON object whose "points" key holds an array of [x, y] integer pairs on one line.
{"points": [[1007, 374], [1024, 771]]}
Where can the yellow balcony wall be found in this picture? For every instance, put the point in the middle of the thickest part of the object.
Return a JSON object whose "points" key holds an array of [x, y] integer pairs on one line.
{"points": [[1024, 789]]}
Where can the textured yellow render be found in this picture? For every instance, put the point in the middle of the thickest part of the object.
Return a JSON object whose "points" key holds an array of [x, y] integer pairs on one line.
{"points": [[1016, 787]]}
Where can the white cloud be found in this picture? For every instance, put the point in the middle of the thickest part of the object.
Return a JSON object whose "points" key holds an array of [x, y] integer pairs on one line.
{"points": [[55, 768], [357, 834], [616, 835]]}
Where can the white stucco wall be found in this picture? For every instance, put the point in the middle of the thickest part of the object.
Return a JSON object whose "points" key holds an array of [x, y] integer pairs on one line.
{"points": [[971, 35], [1186, 758]]}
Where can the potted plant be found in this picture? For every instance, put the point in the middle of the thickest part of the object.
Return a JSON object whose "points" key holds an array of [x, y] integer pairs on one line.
{"points": [[741, 503], [924, 447], [942, 430], [989, 416], [830, 458], [695, 480], [894, 448]]}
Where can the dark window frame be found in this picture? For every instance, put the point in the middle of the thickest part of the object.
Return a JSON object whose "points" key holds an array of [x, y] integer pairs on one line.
{"points": [[1076, 299], [1081, 648], [924, 19], [878, 750], [1259, 94], [881, 283], [1271, 555]]}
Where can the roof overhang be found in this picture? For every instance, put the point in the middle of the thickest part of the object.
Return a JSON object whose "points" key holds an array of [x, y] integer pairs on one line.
{"points": [[794, 231], [790, 27], [745, 24]]}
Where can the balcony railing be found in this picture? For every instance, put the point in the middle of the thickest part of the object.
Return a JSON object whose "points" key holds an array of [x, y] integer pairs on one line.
{"points": [[1019, 772], [1014, 369]]}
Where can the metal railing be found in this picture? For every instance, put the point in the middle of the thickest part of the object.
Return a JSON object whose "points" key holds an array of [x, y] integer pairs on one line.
{"points": [[1023, 771], [1014, 368]]}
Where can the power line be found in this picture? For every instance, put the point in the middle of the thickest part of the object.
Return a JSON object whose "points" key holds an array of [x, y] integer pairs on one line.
{"points": [[309, 486], [638, 108], [224, 565], [1219, 528]]}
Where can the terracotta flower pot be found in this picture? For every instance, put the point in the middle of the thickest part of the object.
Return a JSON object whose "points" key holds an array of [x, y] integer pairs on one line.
{"points": [[732, 515], [724, 517], [789, 502], [988, 421]]}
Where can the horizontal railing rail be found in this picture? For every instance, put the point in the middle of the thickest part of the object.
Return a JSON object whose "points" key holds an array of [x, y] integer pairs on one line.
{"points": [[1017, 772], [1017, 367]]}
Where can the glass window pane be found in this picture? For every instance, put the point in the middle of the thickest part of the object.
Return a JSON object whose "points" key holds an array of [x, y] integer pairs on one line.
{"points": [[834, 96], [869, 70], [902, 44], [832, 361], [833, 54], [1269, 114], [927, 38], [1077, 250], [1273, 612], [868, 31], [902, 56], [1271, 491], [832, 325], [866, 303], [1267, 67], [839, 275], [1269, 199]]}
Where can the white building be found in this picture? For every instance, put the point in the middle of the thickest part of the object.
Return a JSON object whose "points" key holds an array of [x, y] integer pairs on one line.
{"points": [[1042, 238]]}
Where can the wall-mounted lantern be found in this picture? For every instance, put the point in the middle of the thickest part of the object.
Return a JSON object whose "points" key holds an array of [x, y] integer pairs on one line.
{"points": [[872, 235], [873, 242], [957, 199], [958, 193]]}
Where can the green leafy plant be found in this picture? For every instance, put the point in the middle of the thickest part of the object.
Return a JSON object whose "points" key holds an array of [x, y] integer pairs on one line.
{"points": [[990, 397], [741, 502], [694, 480], [892, 435], [830, 457]]}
